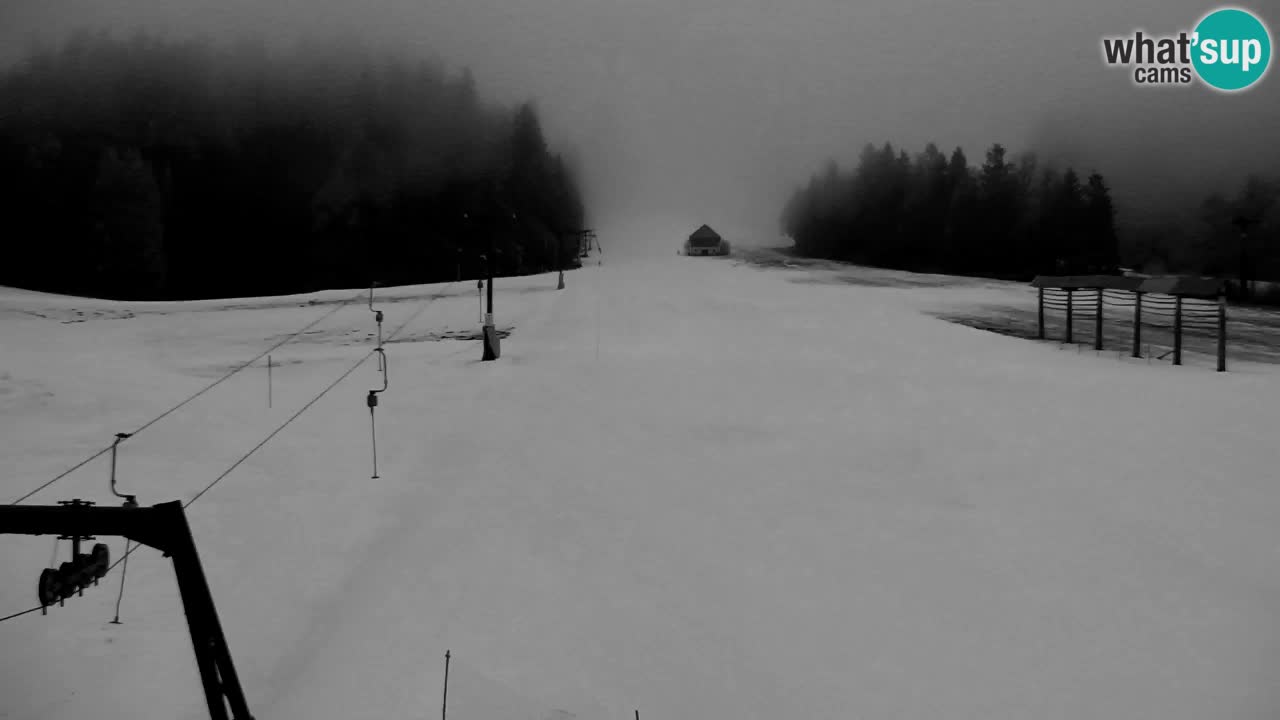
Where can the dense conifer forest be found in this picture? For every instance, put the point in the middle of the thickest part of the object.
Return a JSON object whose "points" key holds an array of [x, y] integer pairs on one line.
{"points": [[147, 168]]}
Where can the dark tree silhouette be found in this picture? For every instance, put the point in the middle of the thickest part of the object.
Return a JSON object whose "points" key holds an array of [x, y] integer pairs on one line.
{"points": [[929, 212], [155, 169]]}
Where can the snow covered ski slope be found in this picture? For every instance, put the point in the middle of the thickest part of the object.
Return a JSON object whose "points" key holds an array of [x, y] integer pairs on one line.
{"points": [[702, 490]]}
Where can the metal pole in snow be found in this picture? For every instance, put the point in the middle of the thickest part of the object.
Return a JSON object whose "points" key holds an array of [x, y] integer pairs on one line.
{"points": [[444, 705], [1222, 332], [373, 433], [597, 294], [1097, 330], [1177, 331], [1070, 313], [560, 260], [1137, 324], [492, 270], [1040, 316]]}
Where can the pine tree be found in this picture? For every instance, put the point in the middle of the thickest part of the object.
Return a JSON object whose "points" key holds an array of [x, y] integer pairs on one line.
{"points": [[1099, 218]]}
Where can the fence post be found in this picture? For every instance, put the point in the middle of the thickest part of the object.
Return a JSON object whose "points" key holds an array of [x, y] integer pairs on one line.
{"points": [[1177, 331], [1070, 313], [1222, 332], [1137, 324], [1040, 317], [1097, 328]]}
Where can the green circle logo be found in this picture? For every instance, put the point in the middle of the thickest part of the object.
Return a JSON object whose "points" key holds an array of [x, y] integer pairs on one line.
{"points": [[1232, 49]]}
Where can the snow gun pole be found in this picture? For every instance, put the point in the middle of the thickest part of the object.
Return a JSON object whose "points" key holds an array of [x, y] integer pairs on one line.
{"points": [[492, 349], [491, 268]]}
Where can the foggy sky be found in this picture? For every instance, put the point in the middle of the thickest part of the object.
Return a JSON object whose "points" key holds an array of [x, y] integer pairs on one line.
{"points": [[713, 110]]}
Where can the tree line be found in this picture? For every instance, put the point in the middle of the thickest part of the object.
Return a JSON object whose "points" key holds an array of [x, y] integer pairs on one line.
{"points": [[934, 213], [148, 168], [1234, 236], [1014, 219]]}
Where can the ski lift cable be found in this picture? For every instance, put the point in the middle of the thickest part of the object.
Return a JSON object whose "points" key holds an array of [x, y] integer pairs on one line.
{"points": [[192, 397], [19, 614], [253, 360], [130, 550], [317, 398], [281, 427], [122, 559]]}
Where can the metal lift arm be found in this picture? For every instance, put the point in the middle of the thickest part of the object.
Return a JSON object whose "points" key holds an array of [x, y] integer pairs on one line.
{"points": [[163, 527]]}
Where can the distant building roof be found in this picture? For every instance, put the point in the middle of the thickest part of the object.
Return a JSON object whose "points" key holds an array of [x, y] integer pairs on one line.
{"points": [[704, 233]]}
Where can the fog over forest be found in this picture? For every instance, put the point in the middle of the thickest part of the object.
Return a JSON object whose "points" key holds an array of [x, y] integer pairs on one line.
{"points": [[714, 110]]}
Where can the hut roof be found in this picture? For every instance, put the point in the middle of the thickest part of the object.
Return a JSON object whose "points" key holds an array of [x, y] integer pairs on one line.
{"points": [[704, 233]]}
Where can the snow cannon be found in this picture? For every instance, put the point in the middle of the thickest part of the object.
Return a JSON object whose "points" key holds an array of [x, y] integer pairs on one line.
{"points": [[492, 345]]}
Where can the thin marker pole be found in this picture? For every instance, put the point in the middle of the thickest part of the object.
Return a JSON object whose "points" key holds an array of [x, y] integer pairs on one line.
{"points": [[268, 381], [444, 704], [597, 315]]}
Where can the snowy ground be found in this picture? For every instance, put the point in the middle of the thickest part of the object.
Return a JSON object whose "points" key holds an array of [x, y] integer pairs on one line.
{"points": [[1010, 308], [690, 486]]}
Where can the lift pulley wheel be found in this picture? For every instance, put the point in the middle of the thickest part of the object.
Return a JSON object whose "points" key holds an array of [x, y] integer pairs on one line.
{"points": [[50, 587], [101, 558], [66, 588]]}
